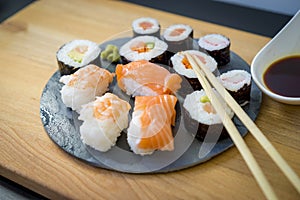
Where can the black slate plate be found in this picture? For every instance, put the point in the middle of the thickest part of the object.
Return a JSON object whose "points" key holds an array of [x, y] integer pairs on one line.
{"points": [[62, 126]]}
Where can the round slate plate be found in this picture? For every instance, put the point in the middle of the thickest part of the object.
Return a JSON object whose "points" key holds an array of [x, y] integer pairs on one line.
{"points": [[62, 126]]}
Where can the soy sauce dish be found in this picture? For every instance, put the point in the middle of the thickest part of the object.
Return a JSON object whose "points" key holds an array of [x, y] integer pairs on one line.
{"points": [[276, 67]]}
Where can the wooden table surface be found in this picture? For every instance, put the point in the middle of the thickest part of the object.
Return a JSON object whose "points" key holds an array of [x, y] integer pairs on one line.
{"points": [[28, 43]]}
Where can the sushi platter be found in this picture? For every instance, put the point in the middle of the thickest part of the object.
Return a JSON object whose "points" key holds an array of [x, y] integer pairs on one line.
{"points": [[64, 124]]}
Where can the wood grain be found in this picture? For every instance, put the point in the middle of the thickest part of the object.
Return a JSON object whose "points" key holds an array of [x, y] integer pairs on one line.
{"points": [[28, 42]]}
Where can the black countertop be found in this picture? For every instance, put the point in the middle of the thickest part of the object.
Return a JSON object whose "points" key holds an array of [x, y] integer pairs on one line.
{"points": [[238, 17]]}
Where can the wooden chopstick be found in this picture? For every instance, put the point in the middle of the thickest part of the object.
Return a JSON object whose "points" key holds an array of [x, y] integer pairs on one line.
{"points": [[253, 129], [234, 133]]}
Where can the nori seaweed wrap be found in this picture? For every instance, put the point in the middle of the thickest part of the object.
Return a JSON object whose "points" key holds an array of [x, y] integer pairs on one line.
{"points": [[217, 46], [144, 48], [75, 54], [181, 65], [201, 119], [179, 37], [238, 84], [146, 26]]}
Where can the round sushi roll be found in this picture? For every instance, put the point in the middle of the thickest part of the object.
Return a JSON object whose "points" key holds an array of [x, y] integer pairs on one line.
{"points": [[148, 48], [179, 37], [75, 54], [238, 84], [217, 46], [146, 26], [201, 118], [182, 66], [103, 121]]}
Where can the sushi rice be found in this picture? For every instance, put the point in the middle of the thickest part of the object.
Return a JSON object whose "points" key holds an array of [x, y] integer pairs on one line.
{"points": [[213, 42], [177, 32], [234, 80], [197, 111], [159, 47], [152, 26], [92, 52], [103, 121], [181, 69]]}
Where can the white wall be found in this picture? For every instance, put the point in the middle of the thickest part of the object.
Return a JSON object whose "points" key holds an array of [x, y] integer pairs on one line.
{"points": [[287, 7]]}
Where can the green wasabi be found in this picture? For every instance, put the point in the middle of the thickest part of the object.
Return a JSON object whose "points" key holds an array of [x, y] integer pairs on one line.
{"points": [[111, 53]]}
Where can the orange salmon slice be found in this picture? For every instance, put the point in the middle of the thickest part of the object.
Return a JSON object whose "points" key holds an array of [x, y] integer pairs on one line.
{"points": [[146, 25], [158, 114]]}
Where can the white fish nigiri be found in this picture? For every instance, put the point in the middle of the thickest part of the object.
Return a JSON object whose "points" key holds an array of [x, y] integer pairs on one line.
{"points": [[84, 85], [103, 121]]}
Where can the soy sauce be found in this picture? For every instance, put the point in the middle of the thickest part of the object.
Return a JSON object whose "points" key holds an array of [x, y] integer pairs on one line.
{"points": [[283, 76]]}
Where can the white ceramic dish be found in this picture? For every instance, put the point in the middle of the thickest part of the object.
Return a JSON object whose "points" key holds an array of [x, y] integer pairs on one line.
{"points": [[285, 43]]}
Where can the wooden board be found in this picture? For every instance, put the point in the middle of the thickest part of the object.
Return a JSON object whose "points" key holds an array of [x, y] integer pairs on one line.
{"points": [[28, 42]]}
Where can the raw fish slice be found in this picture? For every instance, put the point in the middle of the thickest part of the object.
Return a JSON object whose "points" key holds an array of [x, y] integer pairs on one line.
{"points": [[150, 127], [84, 85], [142, 78], [103, 121]]}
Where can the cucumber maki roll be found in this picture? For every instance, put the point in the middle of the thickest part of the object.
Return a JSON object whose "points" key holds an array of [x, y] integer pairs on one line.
{"points": [[217, 46], [148, 48], [75, 54], [200, 117]]}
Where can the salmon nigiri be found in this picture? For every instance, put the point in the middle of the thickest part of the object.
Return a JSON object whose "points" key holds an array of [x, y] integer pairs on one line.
{"points": [[150, 127], [143, 78]]}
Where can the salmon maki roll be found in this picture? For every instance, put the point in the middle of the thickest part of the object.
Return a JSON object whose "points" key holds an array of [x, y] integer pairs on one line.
{"points": [[150, 127], [146, 26], [143, 78]]}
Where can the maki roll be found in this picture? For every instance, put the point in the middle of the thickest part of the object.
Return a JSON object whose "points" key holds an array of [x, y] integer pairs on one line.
{"points": [[146, 26], [238, 84], [201, 118], [75, 54], [84, 85], [103, 121], [182, 66], [217, 46], [179, 37], [148, 48]]}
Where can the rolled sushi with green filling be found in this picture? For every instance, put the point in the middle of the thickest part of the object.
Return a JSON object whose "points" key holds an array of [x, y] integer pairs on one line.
{"points": [[181, 65], [200, 117], [148, 48], [76, 54]]}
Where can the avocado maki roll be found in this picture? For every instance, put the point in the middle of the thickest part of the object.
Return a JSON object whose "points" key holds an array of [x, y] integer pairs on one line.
{"points": [[77, 53], [200, 117], [148, 48]]}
